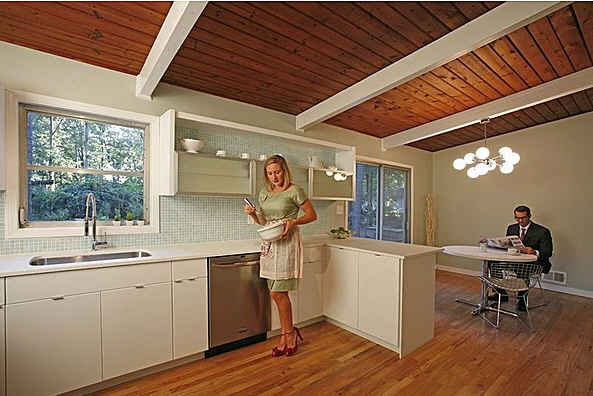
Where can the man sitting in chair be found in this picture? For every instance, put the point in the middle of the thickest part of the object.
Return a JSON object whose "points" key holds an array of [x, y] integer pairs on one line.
{"points": [[537, 240]]}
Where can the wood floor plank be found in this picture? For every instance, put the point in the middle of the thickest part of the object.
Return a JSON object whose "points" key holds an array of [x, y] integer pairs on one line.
{"points": [[466, 357]]}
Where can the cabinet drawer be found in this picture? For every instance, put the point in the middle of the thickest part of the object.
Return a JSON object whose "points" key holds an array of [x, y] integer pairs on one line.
{"points": [[36, 287], [312, 254], [190, 269]]}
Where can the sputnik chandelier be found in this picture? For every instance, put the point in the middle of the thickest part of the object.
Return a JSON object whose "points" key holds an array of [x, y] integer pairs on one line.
{"points": [[505, 160]]}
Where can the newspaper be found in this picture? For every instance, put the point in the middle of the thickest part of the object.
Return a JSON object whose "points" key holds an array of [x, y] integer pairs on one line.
{"points": [[505, 242]]}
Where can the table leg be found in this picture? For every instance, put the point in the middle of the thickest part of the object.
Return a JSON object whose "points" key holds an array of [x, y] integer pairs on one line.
{"points": [[482, 305]]}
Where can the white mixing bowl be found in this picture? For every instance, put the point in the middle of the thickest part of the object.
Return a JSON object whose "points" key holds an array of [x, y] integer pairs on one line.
{"points": [[271, 232], [192, 145]]}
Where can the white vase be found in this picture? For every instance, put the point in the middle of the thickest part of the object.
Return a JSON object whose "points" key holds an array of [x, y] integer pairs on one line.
{"points": [[116, 223], [129, 222]]}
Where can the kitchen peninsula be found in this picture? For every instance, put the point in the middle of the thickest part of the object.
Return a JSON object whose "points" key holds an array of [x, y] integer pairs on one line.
{"points": [[382, 291]]}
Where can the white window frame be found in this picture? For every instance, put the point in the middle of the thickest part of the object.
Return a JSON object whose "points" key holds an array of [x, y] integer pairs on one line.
{"points": [[410, 168], [13, 162]]}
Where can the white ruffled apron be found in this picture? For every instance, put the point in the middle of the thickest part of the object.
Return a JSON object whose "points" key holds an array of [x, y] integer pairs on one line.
{"points": [[282, 259]]}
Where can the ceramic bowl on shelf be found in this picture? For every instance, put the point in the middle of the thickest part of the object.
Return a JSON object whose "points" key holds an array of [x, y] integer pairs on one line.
{"points": [[271, 232], [191, 145]]}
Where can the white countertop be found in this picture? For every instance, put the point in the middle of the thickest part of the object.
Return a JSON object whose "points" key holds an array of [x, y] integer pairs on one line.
{"points": [[19, 264]]}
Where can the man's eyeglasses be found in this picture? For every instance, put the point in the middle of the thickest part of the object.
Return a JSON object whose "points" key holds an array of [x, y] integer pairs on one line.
{"points": [[521, 217]]}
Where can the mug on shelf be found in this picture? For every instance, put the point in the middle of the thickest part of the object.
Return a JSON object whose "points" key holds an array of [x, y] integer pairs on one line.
{"points": [[220, 153], [245, 155]]}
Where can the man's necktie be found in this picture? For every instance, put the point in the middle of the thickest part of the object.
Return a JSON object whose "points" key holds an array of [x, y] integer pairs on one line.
{"points": [[522, 236]]}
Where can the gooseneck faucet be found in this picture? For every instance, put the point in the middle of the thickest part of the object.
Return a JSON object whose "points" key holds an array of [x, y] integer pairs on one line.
{"points": [[90, 198]]}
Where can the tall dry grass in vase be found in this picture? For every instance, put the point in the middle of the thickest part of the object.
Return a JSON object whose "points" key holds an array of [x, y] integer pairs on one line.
{"points": [[430, 221]]}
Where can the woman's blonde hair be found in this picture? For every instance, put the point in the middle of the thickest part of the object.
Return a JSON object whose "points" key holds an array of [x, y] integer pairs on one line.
{"points": [[277, 159]]}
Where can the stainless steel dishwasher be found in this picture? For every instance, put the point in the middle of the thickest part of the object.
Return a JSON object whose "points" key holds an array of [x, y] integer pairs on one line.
{"points": [[239, 302]]}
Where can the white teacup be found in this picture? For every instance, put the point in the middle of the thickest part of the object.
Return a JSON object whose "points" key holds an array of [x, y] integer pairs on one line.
{"points": [[245, 155], [261, 157], [220, 153]]}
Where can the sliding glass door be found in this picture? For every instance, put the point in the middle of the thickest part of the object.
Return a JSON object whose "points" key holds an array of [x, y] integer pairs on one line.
{"points": [[382, 206]]}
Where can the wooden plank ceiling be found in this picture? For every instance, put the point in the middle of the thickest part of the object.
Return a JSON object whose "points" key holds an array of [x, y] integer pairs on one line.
{"points": [[290, 56]]}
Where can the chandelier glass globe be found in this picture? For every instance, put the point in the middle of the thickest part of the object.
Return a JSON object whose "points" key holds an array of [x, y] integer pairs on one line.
{"points": [[481, 169], [482, 153], [505, 152], [469, 158], [514, 158], [472, 172], [506, 168], [459, 164]]}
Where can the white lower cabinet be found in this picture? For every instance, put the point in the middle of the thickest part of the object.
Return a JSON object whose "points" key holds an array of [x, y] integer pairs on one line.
{"points": [[2, 352], [340, 286], [294, 300], [311, 291], [190, 316], [53, 345], [378, 296], [136, 328]]}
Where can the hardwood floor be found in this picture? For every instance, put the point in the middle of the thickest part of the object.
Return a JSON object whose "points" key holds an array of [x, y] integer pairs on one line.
{"points": [[466, 357]]}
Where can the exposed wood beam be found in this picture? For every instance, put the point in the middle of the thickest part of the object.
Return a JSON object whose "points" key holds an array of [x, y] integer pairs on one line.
{"points": [[490, 26], [545, 92], [179, 22]]}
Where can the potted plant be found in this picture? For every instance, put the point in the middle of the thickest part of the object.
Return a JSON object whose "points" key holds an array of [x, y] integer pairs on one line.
{"points": [[340, 233], [117, 220], [129, 219]]}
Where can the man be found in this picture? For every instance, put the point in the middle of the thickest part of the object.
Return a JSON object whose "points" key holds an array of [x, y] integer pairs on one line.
{"points": [[537, 240]]}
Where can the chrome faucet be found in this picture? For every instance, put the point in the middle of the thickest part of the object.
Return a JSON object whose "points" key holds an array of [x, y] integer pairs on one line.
{"points": [[90, 198]]}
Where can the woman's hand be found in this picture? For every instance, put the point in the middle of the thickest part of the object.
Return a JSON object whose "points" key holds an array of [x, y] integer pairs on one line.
{"points": [[250, 210], [289, 225]]}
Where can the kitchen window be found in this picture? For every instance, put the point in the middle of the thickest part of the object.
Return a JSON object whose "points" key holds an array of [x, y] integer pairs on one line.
{"points": [[58, 151], [65, 156], [382, 207]]}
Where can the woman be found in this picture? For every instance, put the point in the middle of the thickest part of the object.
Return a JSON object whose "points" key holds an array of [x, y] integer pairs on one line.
{"points": [[282, 260]]}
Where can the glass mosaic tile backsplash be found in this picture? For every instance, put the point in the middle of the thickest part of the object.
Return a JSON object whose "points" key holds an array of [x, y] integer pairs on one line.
{"points": [[193, 218]]}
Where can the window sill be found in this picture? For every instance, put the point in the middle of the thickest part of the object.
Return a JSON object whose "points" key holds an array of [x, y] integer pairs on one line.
{"points": [[39, 232]]}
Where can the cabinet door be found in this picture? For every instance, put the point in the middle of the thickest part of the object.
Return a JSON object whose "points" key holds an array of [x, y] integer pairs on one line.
{"points": [[378, 296], [294, 300], [340, 286], [136, 328], [53, 346], [190, 317], [311, 291]]}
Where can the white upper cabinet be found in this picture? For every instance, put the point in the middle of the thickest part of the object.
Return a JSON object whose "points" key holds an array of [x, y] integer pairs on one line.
{"points": [[2, 138], [205, 174]]}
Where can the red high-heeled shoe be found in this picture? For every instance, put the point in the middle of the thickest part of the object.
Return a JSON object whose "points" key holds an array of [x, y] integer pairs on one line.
{"points": [[290, 350], [279, 352]]}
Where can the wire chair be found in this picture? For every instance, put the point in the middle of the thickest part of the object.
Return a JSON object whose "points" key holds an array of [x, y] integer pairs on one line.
{"points": [[514, 278]]}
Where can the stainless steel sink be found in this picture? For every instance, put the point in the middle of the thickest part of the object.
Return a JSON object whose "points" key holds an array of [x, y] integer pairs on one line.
{"points": [[88, 257]]}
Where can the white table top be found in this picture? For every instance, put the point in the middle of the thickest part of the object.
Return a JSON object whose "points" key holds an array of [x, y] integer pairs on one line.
{"points": [[490, 254]]}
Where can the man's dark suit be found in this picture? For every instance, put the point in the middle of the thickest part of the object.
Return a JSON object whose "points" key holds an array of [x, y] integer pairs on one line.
{"points": [[538, 238]]}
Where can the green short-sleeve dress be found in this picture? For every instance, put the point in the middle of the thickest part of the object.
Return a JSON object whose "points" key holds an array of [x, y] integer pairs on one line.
{"points": [[282, 260]]}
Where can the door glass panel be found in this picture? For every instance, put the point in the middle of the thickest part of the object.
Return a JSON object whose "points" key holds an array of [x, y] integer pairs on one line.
{"points": [[363, 213], [395, 205]]}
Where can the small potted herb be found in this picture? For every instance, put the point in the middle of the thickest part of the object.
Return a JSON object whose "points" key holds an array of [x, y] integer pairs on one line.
{"points": [[117, 220], [340, 233], [129, 219]]}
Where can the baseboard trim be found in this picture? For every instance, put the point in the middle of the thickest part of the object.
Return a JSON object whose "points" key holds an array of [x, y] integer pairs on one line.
{"points": [[546, 286]]}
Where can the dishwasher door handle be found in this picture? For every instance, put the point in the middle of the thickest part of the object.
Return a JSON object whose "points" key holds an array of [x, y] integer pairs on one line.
{"points": [[235, 265]]}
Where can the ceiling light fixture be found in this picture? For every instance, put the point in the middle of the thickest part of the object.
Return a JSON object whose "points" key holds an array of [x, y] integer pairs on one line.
{"points": [[505, 160]]}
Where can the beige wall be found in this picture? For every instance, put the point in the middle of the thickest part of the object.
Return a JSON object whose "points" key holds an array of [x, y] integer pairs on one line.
{"points": [[553, 179], [33, 71]]}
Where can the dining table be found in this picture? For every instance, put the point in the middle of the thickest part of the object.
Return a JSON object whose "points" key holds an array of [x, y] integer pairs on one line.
{"points": [[485, 256]]}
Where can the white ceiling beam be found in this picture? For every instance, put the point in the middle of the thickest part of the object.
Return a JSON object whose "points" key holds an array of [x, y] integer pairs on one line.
{"points": [[488, 27], [179, 22], [545, 92]]}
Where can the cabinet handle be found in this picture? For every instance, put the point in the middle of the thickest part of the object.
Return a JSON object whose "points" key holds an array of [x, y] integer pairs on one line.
{"points": [[56, 298], [378, 255], [193, 278], [140, 286], [178, 280]]}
